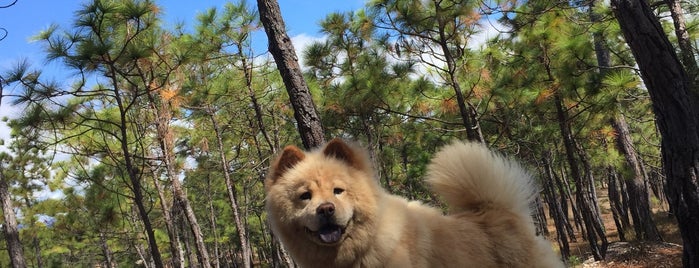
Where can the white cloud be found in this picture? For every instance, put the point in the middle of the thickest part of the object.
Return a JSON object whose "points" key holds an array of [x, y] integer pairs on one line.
{"points": [[489, 29], [10, 112], [46, 193], [301, 42]]}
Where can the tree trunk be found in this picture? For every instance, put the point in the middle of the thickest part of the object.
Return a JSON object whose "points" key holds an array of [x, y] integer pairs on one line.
{"points": [[676, 107], [37, 252], [14, 246], [133, 173], [212, 220], [620, 218], [639, 202], [590, 194], [555, 208], [247, 71], [564, 191], [175, 247], [540, 217], [166, 143], [582, 193], [307, 118], [684, 42], [232, 195], [108, 259]]}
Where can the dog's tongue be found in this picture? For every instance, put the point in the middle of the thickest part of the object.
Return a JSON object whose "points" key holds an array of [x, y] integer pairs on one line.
{"points": [[330, 234]]}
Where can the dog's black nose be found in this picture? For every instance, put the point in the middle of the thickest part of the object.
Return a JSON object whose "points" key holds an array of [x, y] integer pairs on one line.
{"points": [[326, 209]]}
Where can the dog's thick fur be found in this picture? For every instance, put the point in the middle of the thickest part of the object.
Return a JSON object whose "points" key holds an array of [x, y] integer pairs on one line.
{"points": [[329, 211]]}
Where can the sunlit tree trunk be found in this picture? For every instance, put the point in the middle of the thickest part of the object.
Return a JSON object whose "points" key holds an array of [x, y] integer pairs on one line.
{"points": [[14, 246], [175, 247], [232, 195], [307, 118], [212, 219], [132, 171], [684, 42], [165, 139]]}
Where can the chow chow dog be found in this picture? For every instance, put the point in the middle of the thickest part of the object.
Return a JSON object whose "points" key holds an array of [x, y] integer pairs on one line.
{"points": [[329, 210]]}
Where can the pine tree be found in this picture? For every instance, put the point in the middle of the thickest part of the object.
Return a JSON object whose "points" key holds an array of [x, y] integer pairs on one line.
{"points": [[676, 105]]}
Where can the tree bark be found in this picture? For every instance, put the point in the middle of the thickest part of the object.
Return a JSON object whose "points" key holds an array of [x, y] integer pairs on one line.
{"points": [[108, 259], [676, 107], [468, 115], [639, 203], [555, 208], [232, 195], [212, 219], [175, 248], [307, 118], [166, 143], [14, 246], [564, 191], [620, 219], [590, 214], [132, 170], [684, 42]]}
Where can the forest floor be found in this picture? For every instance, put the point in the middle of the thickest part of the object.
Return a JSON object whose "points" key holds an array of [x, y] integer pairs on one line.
{"points": [[630, 254]]}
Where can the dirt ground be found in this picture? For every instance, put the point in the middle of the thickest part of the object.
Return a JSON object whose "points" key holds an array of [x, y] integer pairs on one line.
{"points": [[636, 255], [630, 254]]}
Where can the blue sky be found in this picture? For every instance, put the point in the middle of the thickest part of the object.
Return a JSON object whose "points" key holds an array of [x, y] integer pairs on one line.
{"points": [[28, 17]]}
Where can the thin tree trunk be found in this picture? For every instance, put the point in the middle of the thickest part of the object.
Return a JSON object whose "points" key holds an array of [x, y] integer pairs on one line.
{"points": [[133, 173], [108, 259], [540, 217], [595, 213], [584, 204], [165, 141], [147, 262], [232, 195], [307, 118], [247, 70], [175, 247], [620, 218], [136, 243], [639, 202], [181, 224], [14, 246], [676, 106], [214, 226], [684, 42], [37, 252], [564, 191], [555, 208]]}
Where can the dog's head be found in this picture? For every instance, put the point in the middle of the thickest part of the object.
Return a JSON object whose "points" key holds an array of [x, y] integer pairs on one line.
{"points": [[320, 195]]}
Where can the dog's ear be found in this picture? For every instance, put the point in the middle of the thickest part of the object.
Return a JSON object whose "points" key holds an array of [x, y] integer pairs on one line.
{"points": [[287, 160], [340, 150]]}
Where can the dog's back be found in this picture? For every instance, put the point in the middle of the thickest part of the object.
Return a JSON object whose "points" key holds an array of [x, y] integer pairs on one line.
{"points": [[483, 187]]}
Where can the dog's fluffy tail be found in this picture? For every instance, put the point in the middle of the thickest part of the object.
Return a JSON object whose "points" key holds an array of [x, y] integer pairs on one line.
{"points": [[471, 177]]}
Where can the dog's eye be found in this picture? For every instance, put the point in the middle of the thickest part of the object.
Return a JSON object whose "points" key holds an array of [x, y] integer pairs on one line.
{"points": [[305, 196], [338, 190]]}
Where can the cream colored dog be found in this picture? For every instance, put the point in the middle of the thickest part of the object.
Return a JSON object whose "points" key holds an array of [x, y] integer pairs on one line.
{"points": [[329, 211]]}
